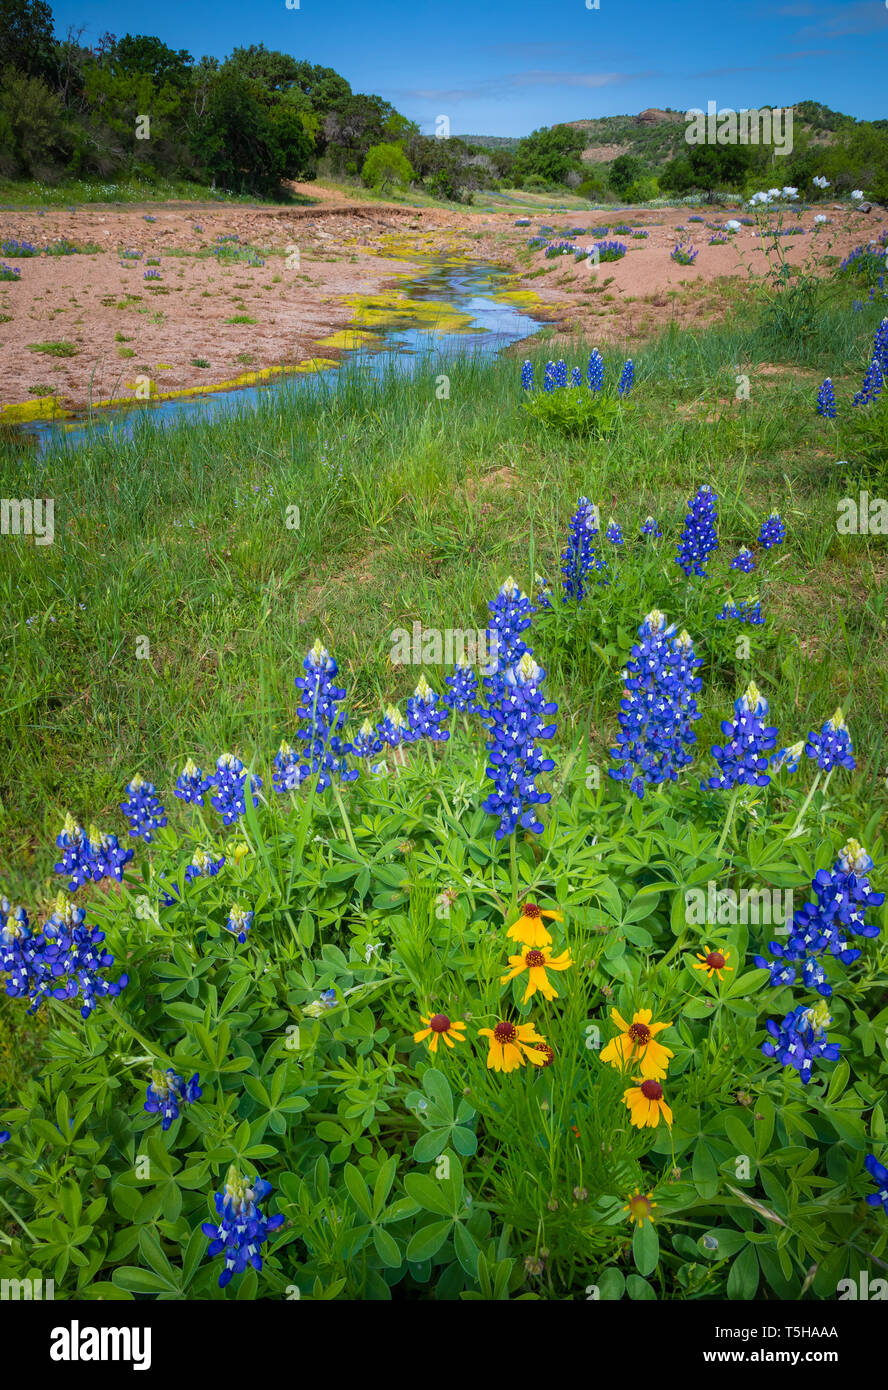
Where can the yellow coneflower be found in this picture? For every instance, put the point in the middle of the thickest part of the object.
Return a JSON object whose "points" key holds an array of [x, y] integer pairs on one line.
{"points": [[548, 1054], [645, 1104], [440, 1026], [636, 1043], [713, 962], [536, 960], [510, 1043], [640, 1207], [529, 928]]}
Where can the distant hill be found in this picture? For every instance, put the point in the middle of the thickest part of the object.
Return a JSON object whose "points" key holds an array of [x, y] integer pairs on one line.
{"points": [[657, 133]]}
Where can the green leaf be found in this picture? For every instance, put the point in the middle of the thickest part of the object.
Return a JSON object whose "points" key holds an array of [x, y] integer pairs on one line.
{"points": [[429, 1146], [358, 1190], [838, 1081], [436, 1085], [430, 1194], [645, 1247], [140, 1280], [428, 1241], [744, 1275], [387, 1248], [704, 1171], [640, 1290], [611, 1285], [466, 1250]]}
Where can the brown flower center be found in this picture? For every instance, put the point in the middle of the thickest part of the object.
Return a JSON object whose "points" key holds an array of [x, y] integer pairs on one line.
{"points": [[640, 1033], [715, 960], [439, 1023], [534, 959], [652, 1090], [549, 1054], [505, 1032], [531, 910]]}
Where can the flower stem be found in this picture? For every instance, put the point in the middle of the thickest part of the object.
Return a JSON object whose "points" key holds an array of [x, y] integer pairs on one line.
{"points": [[805, 804], [344, 814], [732, 806]]}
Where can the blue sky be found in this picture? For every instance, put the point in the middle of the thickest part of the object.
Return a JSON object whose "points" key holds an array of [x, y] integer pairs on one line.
{"points": [[505, 67]]}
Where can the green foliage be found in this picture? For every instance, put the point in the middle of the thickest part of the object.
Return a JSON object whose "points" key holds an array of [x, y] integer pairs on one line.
{"points": [[624, 170], [549, 154], [385, 165], [864, 439], [576, 411]]}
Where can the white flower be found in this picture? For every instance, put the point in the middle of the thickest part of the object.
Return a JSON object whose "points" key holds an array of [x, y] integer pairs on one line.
{"points": [[821, 217], [732, 226], [791, 193], [857, 194], [819, 181], [774, 192]]}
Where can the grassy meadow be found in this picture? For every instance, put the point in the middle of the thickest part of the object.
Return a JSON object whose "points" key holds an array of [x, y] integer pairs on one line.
{"points": [[192, 569]]}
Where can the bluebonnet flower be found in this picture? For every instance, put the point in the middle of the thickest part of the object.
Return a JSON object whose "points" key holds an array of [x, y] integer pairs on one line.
{"points": [[880, 342], [698, 539], [527, 376], [844, 897], [366, 742], [650, 528], [595, 370], [561, 372], [684, 252], [742, 759], [326, 1000], [743, 560], [191, 785], [783, 968], [773, 531], [203, 865], [746, 611], [614, 533], [324, 751], [549, 377], [239, 922], [14, 950], [510, 615], [576, 376], [166, 1091], [788, 757], [832, 747], [462, 690], [879, 1174], [63, 960], [426, 715], [543, 588], [518, 715], [581, 556], [108, 857], [286, 775], [872, 384], [658, 707], [5, 1136], [76, 859], [230, 781], [627, 378], [393, 729], [242, 1228], [801, 1039], [142, 809], [826, 400]]}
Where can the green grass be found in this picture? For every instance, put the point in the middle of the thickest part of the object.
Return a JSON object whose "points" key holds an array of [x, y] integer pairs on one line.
{"points": [[180, 535], [62, 348]]}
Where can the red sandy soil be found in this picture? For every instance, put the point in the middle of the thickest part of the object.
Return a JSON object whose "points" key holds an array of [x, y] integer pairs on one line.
{"points": [[109, 311]]}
